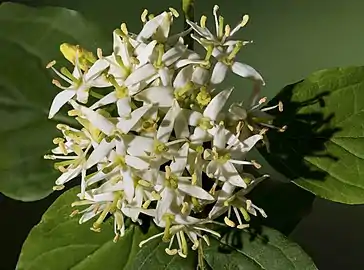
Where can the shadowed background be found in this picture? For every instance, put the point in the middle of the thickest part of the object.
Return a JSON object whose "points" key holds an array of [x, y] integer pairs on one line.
{"points": [[292, 38]]}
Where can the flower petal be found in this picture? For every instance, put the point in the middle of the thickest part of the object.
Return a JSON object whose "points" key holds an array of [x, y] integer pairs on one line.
{"points": [[199, 136], [183, 77], [145, 54], [68, 175], [178, 166], [151, 27], [159, 95], [106, 100], [166, 127], [140, 74], [181, 129], [123, 105], [137, 163], [95, 70], [219, 73], [173, 54], [126, 124], [200, 75], [246, 71], [101, 151], [61, 99], [230, 173], [165, 76], [138, 145], [128, 184], [202, 31], [216, 104], [164, 203], [219, 139], [195, 191]]}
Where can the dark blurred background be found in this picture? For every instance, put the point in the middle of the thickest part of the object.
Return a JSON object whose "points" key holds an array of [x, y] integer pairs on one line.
{"points": [[292, 38]]}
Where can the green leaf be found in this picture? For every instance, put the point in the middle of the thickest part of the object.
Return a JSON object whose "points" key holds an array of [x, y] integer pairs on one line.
{"points": [[58, 242], [30, 38], [266, 249], [323, 148]]}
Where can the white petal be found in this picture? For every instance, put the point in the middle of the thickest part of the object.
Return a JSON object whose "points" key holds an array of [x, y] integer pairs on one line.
{"points": [[138, 145], [193, 117], [163, 30], [128, 185], [183, 77], [246, 71], [185, 62], [165, 76], [158, 95], [219, 139], [101, 151], [96, 69], [173, 54], [166, 127], [95, 118], [146, 53], [195, 191], [164, 203], [136, 163], [120, 147], [219, 208], [140, 74], [246, 145], [68, 175], [219, 73], [126, 124], [151, 27], [178, 166], [200, 75], [123, 105], [199, 136], [82, 94], [88, 215], [106, 100], [202, 31], [216, 104], [60, 99], [181, 129], [232, 175], [212, 168]]}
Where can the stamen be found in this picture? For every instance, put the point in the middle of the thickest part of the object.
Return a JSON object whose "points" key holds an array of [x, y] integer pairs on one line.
{"points": [[229, 222], [74, 213], [221, 27], [171, 252], [227, 30], [143, 17], [99, 53], [174, 12], [51, 64], [124, 28], [116, 238], [256, 164], [146, 204], [203, 21], [215, 9], [280, 106], [245, 214], [59, 187]]}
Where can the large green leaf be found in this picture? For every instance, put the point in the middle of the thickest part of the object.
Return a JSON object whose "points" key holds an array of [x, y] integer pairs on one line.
{"points": [[60, 236], [58, 242], [323, 148], [257, 250], [30, 38]]}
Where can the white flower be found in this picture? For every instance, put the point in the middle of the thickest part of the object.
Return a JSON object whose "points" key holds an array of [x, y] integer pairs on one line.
{"points": [[237, 202], [204, 122], [80, 83], [221, 165]]}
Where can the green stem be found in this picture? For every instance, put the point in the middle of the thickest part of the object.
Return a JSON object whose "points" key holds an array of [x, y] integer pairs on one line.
{"points": [[188, 7]]}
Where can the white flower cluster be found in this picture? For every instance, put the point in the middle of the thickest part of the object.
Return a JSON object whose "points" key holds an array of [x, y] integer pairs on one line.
{"points": [[154, 139]]}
